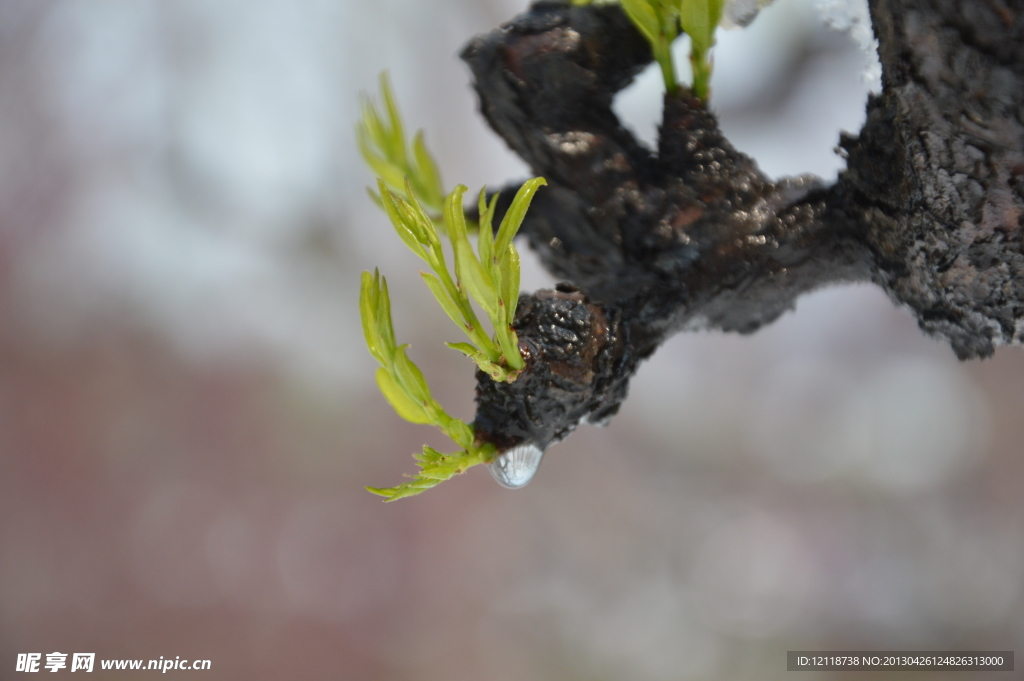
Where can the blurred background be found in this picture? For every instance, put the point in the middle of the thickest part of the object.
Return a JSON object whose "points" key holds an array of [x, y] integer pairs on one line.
{"points": [[188, 415]]}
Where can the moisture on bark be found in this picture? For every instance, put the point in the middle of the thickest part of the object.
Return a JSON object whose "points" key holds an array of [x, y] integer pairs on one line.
{"points": [[931, 206]]}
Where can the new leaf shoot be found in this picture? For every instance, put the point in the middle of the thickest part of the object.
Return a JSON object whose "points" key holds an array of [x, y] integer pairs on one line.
{"points": [[409, 191], [660, 21], [382, 143], [405, 388]]}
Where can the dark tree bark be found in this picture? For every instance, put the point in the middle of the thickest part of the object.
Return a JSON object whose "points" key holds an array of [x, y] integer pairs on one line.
{"points": [[931, 206]]}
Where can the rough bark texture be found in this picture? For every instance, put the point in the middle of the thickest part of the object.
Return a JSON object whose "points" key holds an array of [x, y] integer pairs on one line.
{"points": [[937, 172], [696, 236]]}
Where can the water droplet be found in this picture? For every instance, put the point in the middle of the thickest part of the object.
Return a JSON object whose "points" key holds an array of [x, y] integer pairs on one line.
{"points": [[515, 467]]}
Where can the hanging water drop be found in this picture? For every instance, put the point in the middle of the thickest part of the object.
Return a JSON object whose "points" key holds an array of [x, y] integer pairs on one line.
{"points": [[516, 467]]}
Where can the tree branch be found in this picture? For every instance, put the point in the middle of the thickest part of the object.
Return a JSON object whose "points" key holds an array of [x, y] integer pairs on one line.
{"points": [[937, 171], [697, 237]]}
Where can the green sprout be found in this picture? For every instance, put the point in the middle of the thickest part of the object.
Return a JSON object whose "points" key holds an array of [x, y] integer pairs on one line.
{"points": [[489, 277], [409, 190], [404, 386], [660, 21], [382, 143], [699, 18]]}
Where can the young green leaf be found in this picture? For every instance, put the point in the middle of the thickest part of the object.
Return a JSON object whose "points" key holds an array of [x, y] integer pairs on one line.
{"points": [[380, 167], [468, 349], [399, 399], [396, 135], [403, 385], [435, 468], [454, 217], [383, 145], [509, 268], [368, 313], [699, 19], [429, 176], [495, 371], [435, 465], [460, 433], [407, 489], [486, 210], [423, 226], [441, 295], [467, 268], [400, 219], [516, 212], [475, 279], [410, 378], [492, 280], [485, 236], [373, 127], [385, 332], [644, 17]]}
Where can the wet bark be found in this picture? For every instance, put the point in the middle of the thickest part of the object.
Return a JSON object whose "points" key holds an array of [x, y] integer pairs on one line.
{"points": [[931, 206]]}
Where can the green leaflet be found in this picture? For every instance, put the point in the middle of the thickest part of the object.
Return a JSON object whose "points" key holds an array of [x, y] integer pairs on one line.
{"points": [[374, 130], [490, 278], [435, 468], [382, 143], [485, 235], [429, 177], [389, 172], [461, 433], [400, 220], [468, 269], [368, 313], [644, 17], [513, 219], [476, 279], [699, 19], [454, 218], [495, 371], [465, 348], [385, 332], [410, 378], [659, 22], [508, 266], [399, 399], [441, 295], [396, 135], [421, 224], [405, 388], [486, 211], [409, 186]]}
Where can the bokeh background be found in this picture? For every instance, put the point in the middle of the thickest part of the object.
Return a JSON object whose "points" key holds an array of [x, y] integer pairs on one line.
{"points": [[188, 416]]}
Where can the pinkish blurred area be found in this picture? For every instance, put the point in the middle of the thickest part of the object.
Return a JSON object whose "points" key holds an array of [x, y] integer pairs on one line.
{"points": [[188, 415]]}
